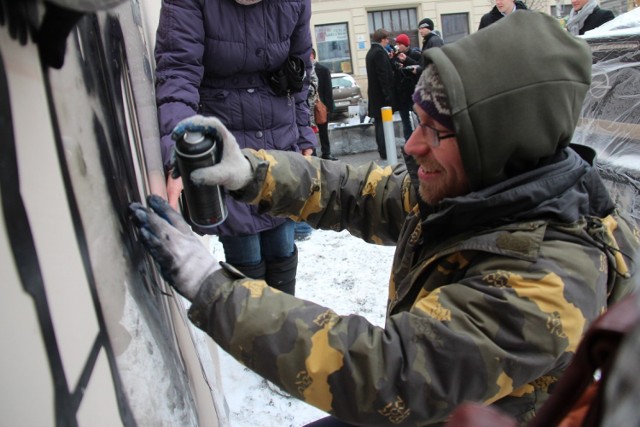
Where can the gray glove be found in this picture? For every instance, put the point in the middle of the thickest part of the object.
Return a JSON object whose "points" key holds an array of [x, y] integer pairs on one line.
{"points": [[233, 171], [183, 260]]}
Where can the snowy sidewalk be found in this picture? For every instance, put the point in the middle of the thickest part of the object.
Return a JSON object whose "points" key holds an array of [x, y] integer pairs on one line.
{"points": [[335, 270]]}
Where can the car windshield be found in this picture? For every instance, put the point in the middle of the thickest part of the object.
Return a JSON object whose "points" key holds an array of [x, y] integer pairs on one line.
{"points": [[341, 82]]}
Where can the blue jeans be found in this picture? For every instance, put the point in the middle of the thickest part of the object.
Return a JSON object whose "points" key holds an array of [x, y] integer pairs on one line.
{"points": [[269, 245]]}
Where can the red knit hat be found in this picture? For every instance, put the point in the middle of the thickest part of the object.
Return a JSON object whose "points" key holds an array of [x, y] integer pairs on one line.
{"points": [[404, 39]]}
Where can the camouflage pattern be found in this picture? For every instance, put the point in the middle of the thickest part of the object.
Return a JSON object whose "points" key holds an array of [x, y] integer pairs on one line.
{"points": [[487, 305]]}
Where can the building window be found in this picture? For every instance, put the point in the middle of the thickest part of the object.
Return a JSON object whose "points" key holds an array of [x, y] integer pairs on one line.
{"points": [[560, 11], [454, 26], [332, 47], [396, 21]]}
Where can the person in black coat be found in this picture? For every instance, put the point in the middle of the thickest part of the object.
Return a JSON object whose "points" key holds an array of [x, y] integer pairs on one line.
{"points": [[380, 84], [429, 37], [500, 10], [586, 15], [407, 70], [406, 73], [325, 92]]}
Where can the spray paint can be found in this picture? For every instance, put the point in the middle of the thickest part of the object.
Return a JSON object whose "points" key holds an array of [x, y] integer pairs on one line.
{"points": [[205, 204]]}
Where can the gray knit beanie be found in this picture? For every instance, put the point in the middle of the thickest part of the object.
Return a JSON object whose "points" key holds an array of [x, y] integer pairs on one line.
{"points": [[431, 96]]}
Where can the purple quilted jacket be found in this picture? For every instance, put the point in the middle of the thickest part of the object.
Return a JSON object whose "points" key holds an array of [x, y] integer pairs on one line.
{"points": [[211, 58]]}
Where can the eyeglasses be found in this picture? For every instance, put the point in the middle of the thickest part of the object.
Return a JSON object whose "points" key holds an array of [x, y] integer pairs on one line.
{"points": [[433, 135]]}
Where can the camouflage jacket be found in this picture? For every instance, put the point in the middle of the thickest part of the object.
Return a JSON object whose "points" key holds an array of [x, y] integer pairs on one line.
{"points": [[488, 297]]}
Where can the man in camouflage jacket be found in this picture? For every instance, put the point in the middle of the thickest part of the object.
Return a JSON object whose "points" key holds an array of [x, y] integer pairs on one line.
{"points": [[511, 250]]}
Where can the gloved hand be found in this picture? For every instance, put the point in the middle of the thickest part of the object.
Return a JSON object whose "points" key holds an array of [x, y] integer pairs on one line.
{"points": [[21, 17], [233, 171], [183, 260]]}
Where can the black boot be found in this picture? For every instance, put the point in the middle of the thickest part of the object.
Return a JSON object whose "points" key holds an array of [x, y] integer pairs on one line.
{"points": [[281, 274], [256, 271]]}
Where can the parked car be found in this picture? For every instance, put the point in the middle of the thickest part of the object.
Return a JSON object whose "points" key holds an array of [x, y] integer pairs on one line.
{"points": [[346, 92]]}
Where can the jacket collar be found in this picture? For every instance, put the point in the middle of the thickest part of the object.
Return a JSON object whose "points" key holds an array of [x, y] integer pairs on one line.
{"points": [[567, 188]]}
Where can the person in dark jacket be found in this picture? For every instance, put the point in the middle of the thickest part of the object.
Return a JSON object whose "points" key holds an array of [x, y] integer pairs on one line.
{"points": [[380, 84], [429, 37], [586, 15], [500, 10], [509, 250], [208, 63], [406, 69], [325, 92]]}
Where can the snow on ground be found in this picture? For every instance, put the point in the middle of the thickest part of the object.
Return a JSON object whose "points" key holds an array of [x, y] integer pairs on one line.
{"points": [[335, 270]]}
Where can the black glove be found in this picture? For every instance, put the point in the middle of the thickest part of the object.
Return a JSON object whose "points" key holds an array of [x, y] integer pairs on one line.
{"points": [[57, 24], [21, 16], [183, 260]]}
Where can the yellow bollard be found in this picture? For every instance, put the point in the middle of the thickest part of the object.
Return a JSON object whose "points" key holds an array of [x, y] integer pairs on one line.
{"points": [[389, 135]]}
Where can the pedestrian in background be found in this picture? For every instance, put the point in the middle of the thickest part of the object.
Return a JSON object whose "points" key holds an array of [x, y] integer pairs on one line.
{"points": [[405, 66], [429, 37], [586, 15], [325, 93], [406, 69], [499, 11], [380, 84]]}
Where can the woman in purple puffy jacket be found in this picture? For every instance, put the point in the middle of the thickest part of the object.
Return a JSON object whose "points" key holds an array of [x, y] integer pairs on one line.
{"points": [[212, 58]]}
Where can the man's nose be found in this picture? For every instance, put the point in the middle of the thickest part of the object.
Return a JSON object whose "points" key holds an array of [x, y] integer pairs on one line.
{"points": [[417, 144]]}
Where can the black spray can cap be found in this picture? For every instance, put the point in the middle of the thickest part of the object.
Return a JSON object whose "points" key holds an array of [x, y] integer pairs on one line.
{"points": [[194, 144]]}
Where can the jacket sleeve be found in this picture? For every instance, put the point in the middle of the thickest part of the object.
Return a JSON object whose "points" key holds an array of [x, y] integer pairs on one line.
{"points": [[604, 16], [437, 42], [369, 201], [301, 47], [179, 70], [412, 58], [483, 22], [499, 327], [325, 88]]}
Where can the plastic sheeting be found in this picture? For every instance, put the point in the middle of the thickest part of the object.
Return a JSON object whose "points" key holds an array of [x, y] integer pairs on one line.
{"points": [[610, 119]]}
